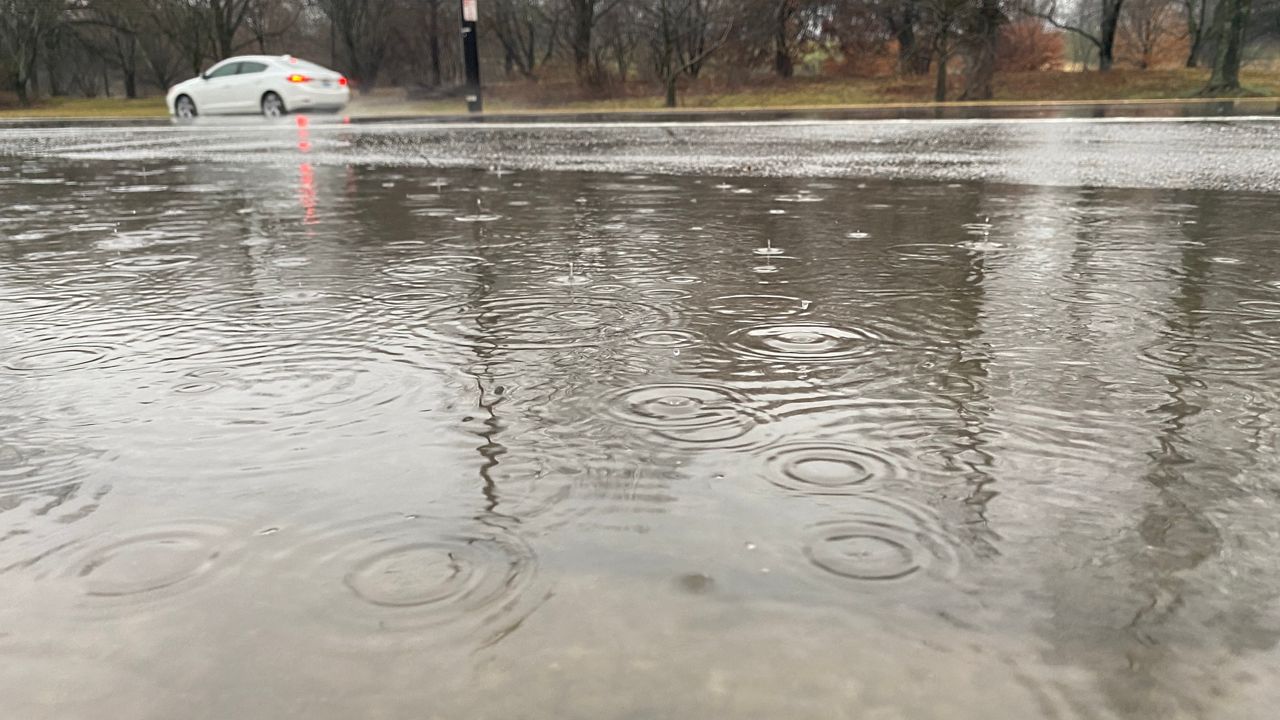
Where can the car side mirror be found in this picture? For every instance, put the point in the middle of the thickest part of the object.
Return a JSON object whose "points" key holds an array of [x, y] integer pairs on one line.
{"points": [[204, 75]]}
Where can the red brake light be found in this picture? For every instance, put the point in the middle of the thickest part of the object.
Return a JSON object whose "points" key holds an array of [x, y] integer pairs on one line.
{"points": [[342, 80], [295, 78]]}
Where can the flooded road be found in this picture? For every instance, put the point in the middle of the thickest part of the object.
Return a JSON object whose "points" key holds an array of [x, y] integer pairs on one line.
{"points": [[815, 420]]}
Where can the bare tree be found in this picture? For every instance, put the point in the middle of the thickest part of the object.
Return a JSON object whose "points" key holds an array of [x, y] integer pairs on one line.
{"points": [[1106, 13], [111, 29], [619, 39], [1196, 15], [269, 20], [365, 29], [225, 18], [1230, 20], [943, 19], [433, 28], [23, 27], [669, 25], [524, 28], [784, 12], [1145, 25], [184, 25], [902, 17], [159, 56], [981, 26], [583, 16]]}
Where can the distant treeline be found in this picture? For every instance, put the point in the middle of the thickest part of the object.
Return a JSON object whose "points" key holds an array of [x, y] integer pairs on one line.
{"points": [[93, 47]]}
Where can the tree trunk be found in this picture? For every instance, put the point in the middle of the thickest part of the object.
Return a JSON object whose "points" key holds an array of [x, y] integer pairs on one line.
{"points": [[333, 44], [981, 68], [583, 19], [20, 88], [1226, 62], [940, 80], [906, 37], [1107, 36], [433, 44], [131, 84], [1195, 32], [530, 54], [782, 63], [225, 43], [55, 84], [671, 91]]}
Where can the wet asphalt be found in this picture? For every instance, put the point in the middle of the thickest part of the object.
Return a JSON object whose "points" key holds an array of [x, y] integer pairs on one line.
{"points": [[1204, 153]]}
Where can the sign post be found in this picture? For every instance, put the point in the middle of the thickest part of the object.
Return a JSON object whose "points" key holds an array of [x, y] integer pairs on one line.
{"points": [[471, 55]]}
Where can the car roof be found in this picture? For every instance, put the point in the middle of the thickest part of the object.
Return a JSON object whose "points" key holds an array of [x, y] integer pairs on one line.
{"points": [[266, 58]]}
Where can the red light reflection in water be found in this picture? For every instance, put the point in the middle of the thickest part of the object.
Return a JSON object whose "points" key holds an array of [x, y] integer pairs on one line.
{"points": [[304, 134], [307, 192], [306, 174]]}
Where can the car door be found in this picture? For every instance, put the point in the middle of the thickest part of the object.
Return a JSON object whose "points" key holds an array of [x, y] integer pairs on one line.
{"points": [[215, 91], [245, 89]]}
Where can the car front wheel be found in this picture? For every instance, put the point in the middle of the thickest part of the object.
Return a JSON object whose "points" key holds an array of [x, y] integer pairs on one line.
{"points": [[272, 105], [185, 108]]}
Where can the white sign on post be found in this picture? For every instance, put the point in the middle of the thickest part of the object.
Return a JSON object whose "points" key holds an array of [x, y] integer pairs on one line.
{"points": [[469, 13]]}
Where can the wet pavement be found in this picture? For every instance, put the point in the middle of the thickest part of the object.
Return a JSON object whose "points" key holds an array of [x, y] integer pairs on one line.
{"points": [[963, 419]]}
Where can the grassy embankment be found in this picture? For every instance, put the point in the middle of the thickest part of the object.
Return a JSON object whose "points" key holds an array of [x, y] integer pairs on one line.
{"points": [[796, 93]]}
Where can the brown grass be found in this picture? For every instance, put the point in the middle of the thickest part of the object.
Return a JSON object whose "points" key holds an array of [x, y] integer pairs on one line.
{"points": [[1049, 86]]}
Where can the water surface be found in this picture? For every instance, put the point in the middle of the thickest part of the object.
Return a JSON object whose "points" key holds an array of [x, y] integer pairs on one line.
{"points": [[311, 435]]}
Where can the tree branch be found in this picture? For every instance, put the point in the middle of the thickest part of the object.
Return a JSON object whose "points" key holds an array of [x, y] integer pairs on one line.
{"points": [[1048, 17]]}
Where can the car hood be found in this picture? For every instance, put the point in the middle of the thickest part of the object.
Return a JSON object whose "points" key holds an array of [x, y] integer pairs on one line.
{"points": [[184, 85]]}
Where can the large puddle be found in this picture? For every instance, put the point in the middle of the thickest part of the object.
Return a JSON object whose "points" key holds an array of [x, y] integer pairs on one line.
{"points": [[338, 440]]}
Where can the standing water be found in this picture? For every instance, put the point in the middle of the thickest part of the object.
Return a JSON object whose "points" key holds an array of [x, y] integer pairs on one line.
{"points": [[285, 440]]}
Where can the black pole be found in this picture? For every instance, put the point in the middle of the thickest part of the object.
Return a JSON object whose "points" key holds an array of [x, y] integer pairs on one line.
{"points": [[471, 55]]}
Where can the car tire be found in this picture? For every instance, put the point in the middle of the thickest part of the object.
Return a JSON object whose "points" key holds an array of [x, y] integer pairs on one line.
{"points": [[184, 108], [272, 105]]}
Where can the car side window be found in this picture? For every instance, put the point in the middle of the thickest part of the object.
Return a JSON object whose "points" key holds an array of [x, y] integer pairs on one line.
{"points": [[224, 70], [251, 67]]}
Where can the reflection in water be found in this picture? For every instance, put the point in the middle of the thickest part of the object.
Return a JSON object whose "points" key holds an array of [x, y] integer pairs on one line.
{"points": [[583, 459]]}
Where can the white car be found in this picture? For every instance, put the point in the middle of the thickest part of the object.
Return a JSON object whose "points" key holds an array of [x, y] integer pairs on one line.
{"points": [[269, 84]]}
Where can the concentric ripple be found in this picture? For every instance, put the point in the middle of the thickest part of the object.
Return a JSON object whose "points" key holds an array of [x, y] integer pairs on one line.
{"points": [[152, 262], [827, 468], [804, 342], [1094, 296], [142, 568], [399, 574], [34, 467], [877, 541], [289, 312], [478, 218], [96, 280], [695, 414], [534, 322], [64, 357], [933, 252], [416, 299], [667, 338], [759, 306], [1213, 357], [433, 267]]}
